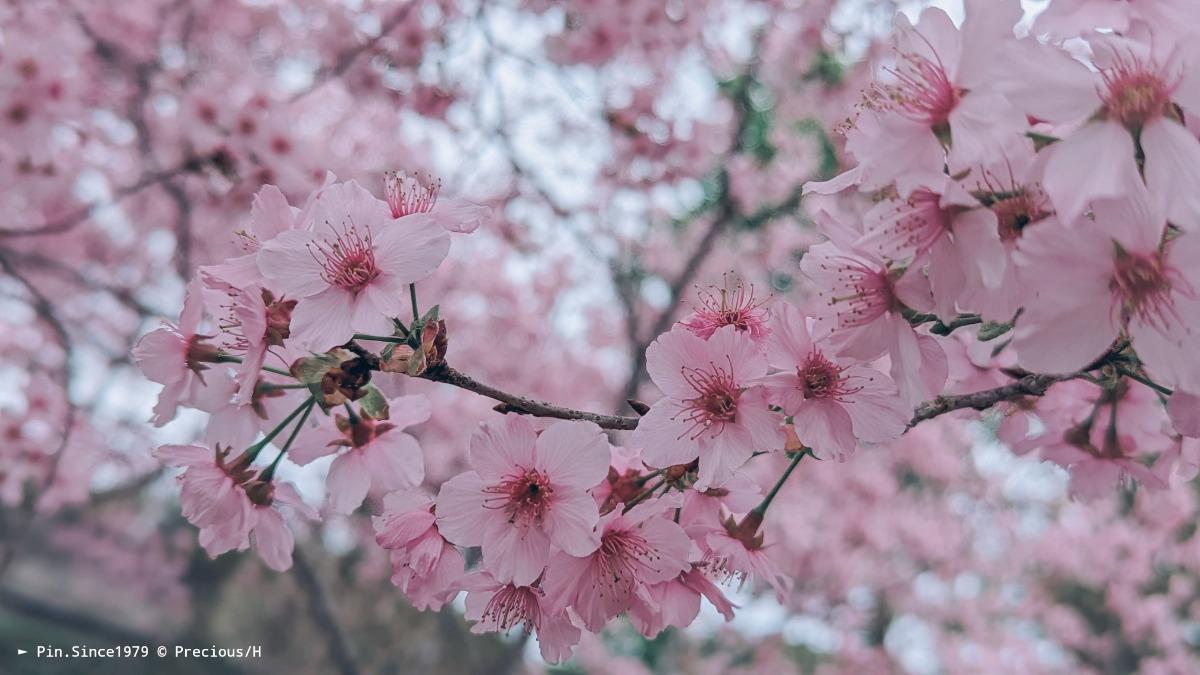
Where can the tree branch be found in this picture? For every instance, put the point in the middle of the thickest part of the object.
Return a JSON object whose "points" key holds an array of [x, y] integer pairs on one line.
{"points": [[1029, 385], [323, 616], [512, 403]]}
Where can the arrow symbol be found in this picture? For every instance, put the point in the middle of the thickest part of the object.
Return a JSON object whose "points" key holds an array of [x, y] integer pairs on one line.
{"points": [[21, 651]]}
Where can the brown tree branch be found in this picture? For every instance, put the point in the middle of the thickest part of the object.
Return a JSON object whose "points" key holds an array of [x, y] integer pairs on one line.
{"points": [[512, 403], [1029, 385]]}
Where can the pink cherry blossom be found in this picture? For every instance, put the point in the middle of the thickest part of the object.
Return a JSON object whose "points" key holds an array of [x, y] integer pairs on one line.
{"points": [[1134, 90], [861, 307], [710, 409], [420, 198], [834, 403], [425, 567], [213, 488], [676, 602], [498, 607], [350, 272], [527, 493], [731, 305], [255, 321], [734, 551], [945, 228], [1123, 278], [1102, 436], [273, 538], [936, 96], [176, 356], [640, 547], [378, 453], [229, 501]]}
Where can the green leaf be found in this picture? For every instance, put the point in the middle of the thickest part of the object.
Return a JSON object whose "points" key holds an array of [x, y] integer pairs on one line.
{"points": [[991, 330], [311, 369], [416, 363], [374, 403], [431, 315]]}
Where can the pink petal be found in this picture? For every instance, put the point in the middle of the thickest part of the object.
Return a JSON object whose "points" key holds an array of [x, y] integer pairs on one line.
{"points": [[668, 355], [314, 444], [462, 516], [407, 411], [184, 455], [665, 439], [721, 456], [458, 215], [570, 521], [288, 265], [1173, 170], [1184, 411], [515, 554], [827, 428], [574, 454], [395, 461], [876, 409], [790, 342], [410, 248], [325, 320], [161, 355], [1065, 342], [1096, 162], [348, 482], [270, 213], [1047, 83], [763, 424], [286, 494], [273, 540], [500, 448]]}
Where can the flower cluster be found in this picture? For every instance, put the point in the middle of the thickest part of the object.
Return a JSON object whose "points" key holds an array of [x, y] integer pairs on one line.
{"points": [[1018, 236]]}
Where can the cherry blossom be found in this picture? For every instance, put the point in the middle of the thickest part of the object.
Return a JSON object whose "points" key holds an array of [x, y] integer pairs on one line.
{"points": [[425, 567], [711, 408], [638, 548], [378, 453], [350, 272], [526, 494], [834, 405]]}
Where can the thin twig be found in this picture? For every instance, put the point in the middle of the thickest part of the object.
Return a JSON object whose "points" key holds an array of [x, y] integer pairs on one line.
{"points": [[512, 403]]}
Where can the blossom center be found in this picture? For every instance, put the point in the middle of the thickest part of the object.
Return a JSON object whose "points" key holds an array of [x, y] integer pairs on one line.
{"points": [[348, 261], [525, 496], [715, 402], [861, 293], [407, 194], [1015, 211], [922, 92], [822, 379], [1142, 286], [721, 307], [1135, 92], [622, 553], [514, 605]]}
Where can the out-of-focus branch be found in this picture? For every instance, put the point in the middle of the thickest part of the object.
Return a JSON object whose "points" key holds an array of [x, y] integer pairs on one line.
{"points": [[18, 602], [45, 310], [323, 616], [348, 57], [726, 214], [87, 624], [78, 216]]}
